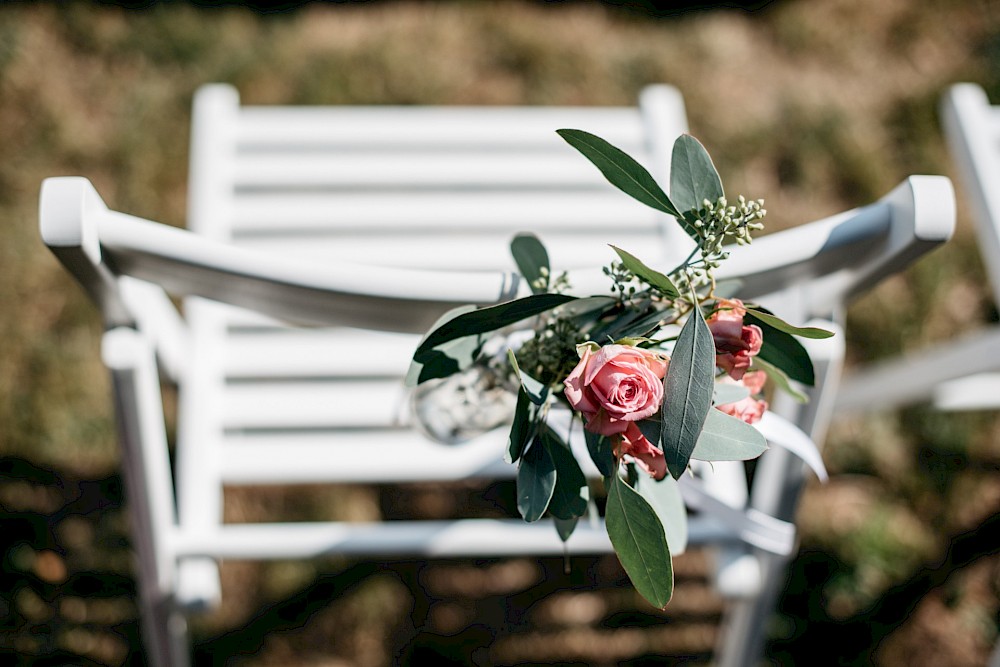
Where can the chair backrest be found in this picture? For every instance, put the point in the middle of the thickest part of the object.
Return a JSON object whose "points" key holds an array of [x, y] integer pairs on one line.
{"points": [[957, 374], [281, 228]]}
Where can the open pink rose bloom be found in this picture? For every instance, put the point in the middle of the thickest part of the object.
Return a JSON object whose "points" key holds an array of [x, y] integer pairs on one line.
{"points": [[614, 387], [735, 343]]}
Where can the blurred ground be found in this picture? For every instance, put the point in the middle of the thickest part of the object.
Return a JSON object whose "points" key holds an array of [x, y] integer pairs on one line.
{"points": [[814, 106]]}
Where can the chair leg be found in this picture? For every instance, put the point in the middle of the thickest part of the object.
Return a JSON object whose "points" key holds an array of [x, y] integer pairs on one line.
{"points": [[146, 468]]}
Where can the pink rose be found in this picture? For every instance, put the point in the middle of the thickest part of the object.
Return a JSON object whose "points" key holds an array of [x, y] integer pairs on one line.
{"points": [[749, 409], [634, 444], [735, 343], [615, 386]]}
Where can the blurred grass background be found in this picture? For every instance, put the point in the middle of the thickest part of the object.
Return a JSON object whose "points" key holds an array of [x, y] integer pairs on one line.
{"points": [[815, 106]]}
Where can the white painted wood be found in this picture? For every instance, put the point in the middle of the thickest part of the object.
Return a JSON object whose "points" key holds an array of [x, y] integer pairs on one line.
{"points": [[947, 374], [290, 212]]}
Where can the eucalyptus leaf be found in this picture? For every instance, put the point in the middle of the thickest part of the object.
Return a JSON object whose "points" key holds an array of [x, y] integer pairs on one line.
{"points": [[779, 378], [729, 393], [640, 542], [601, 452], [781, 350], [693, 179], [536, 481], [445, 361], [565, 527], [651, 276], [726, 438], [620, 169], [491, 318], [664, 496], [688, 389], [535, 390], [520, 429], [781, 325], [531, 257], [569, 499]]}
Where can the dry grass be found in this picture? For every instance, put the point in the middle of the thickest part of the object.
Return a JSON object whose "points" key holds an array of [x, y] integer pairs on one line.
{"points": [[814, 106]]}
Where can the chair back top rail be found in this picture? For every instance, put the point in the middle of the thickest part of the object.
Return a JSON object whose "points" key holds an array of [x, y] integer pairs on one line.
{"points": [[972, 126], [913, 218]]}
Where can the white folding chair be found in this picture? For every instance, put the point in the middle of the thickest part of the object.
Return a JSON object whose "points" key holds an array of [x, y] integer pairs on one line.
{"points": [[368, 223], [963, 374]]}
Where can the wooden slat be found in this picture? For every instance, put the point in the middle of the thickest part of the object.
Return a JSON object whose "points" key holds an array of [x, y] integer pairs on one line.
{"points": [[459, 251], [350, 211], [385, 455], [372, 126], [436, 170], [367, 403], [330, 353]]}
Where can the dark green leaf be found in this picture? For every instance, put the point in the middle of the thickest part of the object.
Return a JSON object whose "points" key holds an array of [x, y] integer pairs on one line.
{"points": [[664, 496], [520, 429], [688, 389], [601, 452], [622, 171], [646, 324], [536, 481], [780, 379], [654, 278], [484, 320], [531, 257], [565, 527], [450, 358], [640, 542], [783, 351], [781, 325], [535, 390], [571, 494], [726, 438], [693, 179], [652, 427]]}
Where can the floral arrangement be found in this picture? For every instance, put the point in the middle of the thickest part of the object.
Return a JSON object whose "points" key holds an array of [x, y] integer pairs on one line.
{"points": [[668, 369]]}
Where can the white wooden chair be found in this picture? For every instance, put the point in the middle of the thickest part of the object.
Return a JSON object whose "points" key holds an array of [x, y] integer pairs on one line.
{"points": [[963, 374], [291, 210]]}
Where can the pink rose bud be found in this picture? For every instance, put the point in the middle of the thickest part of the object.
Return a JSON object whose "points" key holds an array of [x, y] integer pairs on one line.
{"points": [[647, 456], [749, 409], [616, 385], [735, 343]]}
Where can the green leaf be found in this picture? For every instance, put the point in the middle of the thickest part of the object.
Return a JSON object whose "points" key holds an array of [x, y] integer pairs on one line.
{"points": [[620, 169], [726, 438], [531, 257], [776, 375], [640, 542], [664, 496], [654, 278], [784, 352], [729, 393], [536, 481], [484, 320], [781, 325], [571, 494], [565, 527], [535, 390], [520, 429], [601, 452], [693, 177], [448, 358], [688, 389]]}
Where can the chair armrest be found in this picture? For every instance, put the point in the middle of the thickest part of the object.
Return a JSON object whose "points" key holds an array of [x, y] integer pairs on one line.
{"points": [[97, 245], [845, 254]]}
